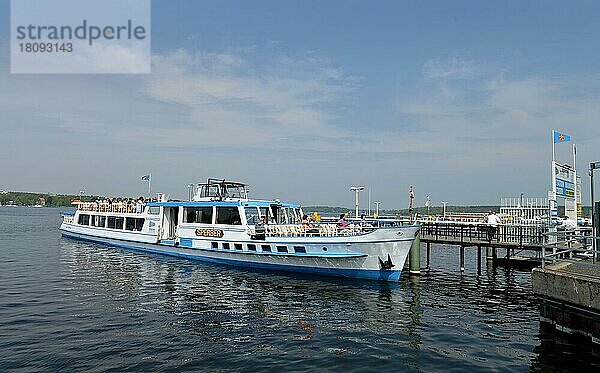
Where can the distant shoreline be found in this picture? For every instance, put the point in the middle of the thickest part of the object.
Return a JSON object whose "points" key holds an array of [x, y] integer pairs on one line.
{"points": [[29, 199]]}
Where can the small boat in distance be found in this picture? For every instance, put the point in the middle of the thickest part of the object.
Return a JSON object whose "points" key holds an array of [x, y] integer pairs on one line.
{"points": [[220, 224]]}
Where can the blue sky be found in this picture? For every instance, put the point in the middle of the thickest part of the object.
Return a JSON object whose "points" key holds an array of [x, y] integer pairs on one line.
{"points": [[302, 99]]}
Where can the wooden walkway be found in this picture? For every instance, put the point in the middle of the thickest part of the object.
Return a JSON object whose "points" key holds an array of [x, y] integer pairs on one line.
{"points": [[524, 237]]}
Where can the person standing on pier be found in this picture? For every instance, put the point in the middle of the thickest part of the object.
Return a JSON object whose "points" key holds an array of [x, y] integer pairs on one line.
{"points": [[492, 221]]}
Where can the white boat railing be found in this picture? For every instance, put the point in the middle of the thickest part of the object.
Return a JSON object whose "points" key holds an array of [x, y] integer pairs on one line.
{"points": [[118, 207], [320, 230]]}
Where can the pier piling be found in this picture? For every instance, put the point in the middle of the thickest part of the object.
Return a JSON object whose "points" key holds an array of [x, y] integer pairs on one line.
{"points": [[428, 254], [415, 256], [478, 259], [462, 258], [491, 254]]}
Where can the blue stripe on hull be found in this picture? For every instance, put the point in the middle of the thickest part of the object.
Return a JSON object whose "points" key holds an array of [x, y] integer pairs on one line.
{"points": [[366, 274]]}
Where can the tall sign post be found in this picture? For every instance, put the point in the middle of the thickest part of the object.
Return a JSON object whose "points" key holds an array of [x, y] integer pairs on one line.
{"points": [[593, 166], [564, 181]]}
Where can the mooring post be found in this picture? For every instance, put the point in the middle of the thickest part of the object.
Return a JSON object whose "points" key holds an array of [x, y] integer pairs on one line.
{"points": [[428, 254], [415, 256], [491, 253], [462, 258], [479, 259]]}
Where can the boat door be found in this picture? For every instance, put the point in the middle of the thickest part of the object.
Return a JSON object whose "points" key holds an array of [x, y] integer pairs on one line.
{"points": [[169, 223]]}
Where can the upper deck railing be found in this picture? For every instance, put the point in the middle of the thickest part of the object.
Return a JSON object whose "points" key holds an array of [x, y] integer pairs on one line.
{"points": [[320, 230], [118, 207]]}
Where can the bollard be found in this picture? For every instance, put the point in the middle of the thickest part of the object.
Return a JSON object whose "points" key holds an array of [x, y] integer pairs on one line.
{"points": [[491, 253], [415, 256]]}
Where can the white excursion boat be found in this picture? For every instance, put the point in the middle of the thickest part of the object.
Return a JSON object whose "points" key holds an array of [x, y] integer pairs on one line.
{"points": [[220, 224]]}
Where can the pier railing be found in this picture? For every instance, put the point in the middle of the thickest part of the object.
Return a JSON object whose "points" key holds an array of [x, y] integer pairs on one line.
{"points": [[571, 247], [467, 232]]}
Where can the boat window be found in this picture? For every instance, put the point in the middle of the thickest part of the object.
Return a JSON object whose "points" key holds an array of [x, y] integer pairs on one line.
{"points": [[251, 215], [101, 221], [264, 212], [265, 248], [134, 224], [234, 191], [251, 247], [84, 219], [282, 216], [297, 215], [282, 249], [238, 246], [214, 245], [153, 210], [228, 215], [115, 222], [300, 249], [97, 221], [225, 245], [198, 214]]}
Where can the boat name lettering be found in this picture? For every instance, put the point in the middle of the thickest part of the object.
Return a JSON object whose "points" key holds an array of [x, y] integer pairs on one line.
{"points": [[209, 232]]}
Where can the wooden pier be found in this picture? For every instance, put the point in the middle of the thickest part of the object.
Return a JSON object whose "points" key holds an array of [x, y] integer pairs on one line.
{"points": [[510, 237]]}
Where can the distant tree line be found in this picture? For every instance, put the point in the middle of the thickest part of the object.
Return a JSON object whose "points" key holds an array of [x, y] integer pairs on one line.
{"points": [[31, 199], [63, 200]]}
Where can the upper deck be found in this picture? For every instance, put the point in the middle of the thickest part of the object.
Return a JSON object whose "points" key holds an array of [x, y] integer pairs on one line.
{"points": [[217, 190]]}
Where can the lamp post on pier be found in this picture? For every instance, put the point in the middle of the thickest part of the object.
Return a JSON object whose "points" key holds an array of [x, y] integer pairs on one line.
{"points": [[376, 208], [444, 203], [356, 190]]}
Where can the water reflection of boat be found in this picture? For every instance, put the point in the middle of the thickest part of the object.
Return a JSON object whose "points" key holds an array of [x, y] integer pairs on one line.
{"points": [[221, 224]]}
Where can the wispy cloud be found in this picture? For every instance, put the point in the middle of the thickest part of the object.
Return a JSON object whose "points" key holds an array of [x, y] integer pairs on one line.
{"points": [[450, 68]]}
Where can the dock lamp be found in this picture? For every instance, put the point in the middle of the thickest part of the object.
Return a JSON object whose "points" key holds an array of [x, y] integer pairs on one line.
{"points": [[444, 203], [356, 190]]}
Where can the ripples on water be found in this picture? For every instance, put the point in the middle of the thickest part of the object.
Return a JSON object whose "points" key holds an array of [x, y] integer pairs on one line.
{"points": [[68, 305]]}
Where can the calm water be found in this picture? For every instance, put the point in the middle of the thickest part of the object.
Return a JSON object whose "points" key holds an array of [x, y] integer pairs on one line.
{"points": [[67, 305]]}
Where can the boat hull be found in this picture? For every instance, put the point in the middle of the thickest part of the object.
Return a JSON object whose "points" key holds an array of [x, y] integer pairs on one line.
{"points": [[346, 266]]}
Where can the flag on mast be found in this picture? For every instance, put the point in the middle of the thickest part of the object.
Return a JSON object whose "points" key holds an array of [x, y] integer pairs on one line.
{"points": [[560, 137], [147, 178]]}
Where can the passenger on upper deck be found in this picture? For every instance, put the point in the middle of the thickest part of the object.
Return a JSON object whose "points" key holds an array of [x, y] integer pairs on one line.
{"points": [[259, 229], [305, 222], [307, 226], [139, 206], [342, 223]]}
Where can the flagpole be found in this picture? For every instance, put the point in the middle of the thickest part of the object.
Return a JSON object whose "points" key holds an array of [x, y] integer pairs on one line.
{"points": [[553, 143], [553, 200], [574, 157], [149, 186]]}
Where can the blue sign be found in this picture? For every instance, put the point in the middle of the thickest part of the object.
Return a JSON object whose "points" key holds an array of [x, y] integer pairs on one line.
{"points": [[565, 188]]}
